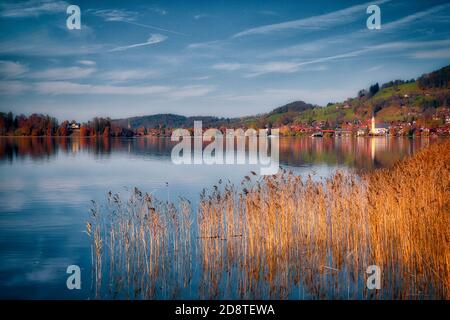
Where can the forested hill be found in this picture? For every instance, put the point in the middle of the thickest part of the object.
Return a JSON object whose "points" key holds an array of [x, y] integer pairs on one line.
{"points": [[397, 100], [168, 121]]}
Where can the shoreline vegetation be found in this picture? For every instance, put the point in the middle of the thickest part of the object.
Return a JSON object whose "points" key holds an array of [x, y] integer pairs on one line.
{"points": [[283, 236]]}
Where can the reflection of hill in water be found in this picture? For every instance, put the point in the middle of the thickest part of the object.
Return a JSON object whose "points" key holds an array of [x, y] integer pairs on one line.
{"points": [[361, 153]]}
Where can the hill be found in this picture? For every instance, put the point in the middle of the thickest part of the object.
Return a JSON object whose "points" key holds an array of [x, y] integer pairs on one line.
{"points": [[426, 98], [168, 121]]}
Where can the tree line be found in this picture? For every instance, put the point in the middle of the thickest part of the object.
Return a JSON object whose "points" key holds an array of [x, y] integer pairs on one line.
{"points": [[44, 125]]}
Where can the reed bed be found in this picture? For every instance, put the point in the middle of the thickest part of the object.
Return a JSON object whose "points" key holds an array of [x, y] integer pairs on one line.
{"points": [[140, 246], [284, 237]]}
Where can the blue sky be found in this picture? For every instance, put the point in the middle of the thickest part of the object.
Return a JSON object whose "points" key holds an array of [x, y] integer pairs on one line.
{"points": [[222, 58]]}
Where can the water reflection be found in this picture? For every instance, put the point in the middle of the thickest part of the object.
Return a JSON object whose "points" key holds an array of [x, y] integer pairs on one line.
{"points": [[354, 152]]}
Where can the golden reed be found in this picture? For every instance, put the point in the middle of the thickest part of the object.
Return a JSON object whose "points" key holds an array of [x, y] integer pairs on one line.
{"points": [[285, 237]]}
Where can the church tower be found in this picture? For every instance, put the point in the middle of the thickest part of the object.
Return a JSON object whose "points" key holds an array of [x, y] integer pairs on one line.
{"points": [[373, 125]]}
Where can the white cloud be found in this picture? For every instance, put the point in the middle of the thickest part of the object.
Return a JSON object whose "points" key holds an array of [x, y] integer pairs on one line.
{"points": [[72, 88], [228, 66], [63, 73], [217, 44], [375, 68], [32, 8], [153, 39], [147, 26], [115, 14], [130, 17], [10, 69], [257, 69], [432, 54], [328, 20], [40, 43], [158, 10], [65, 87], [406, 21], [200, 78], [12, 87], [273, 67], [400, 45], [87, 62], [363, 35], [202, 16], [130, 74]]}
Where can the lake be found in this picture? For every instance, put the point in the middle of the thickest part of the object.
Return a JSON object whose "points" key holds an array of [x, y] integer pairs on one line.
{"points": [[47, 185]]}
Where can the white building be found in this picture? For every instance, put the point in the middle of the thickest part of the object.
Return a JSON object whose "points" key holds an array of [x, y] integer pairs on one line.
{"points": [[380, 130]]}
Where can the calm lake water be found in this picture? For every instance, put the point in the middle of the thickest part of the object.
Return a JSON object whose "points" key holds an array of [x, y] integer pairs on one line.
{"points": [[46, 188]]}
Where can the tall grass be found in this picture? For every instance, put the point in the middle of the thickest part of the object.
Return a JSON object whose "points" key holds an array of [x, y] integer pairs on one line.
{"points": [[283, 236]]}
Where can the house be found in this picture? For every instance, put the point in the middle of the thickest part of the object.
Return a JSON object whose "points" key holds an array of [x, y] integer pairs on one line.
{"points": [[74, 126], [361, 132]]}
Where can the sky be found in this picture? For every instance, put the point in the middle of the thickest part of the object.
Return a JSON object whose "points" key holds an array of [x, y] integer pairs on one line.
{"points": [[220, 58]]}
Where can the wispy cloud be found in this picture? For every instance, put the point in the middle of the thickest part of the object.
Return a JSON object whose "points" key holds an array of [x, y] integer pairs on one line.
{"points": [[65, 87], [324, 21], [273, 67], [147, 26], [11, 69], [202, 16], [153, 39], [258, 69], [158, 10], [233, 66], [210, 45], [431, 54], [66, 73], [130, 17], [400, 45], [32, 8], [200, 78], [74, 88], [375, 68], [115, 14], [129, 74], [40, 43], [12, 87], [407, 20], [87, 62]]}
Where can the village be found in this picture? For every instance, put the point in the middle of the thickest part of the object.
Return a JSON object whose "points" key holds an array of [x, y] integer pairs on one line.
{"points": [[370, 127]]}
